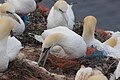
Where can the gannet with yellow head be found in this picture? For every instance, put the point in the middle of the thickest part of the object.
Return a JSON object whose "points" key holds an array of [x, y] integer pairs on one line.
{"points": [[61, 14], [6, 26], [87, 73], [110, 47], [19, 25], [7, 51], [73, 45], [88, 36]]}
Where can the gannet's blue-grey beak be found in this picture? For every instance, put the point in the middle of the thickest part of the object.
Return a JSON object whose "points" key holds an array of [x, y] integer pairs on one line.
{"points": [[43, 56], [13, 16]]}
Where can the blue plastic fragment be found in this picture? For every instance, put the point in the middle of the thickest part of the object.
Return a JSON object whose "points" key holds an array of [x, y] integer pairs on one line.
{"points": [[96, 55], [24, 18]]}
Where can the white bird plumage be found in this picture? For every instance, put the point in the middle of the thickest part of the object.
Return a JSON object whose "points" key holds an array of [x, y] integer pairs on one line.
{"points": [[89, 30], [8, 49], [23, 6], [89, 27], [19, 28], [61, 14], [13, 47], [72, 44], [88, 34], [110, 48], [83, 73], [115, 42], [6, 25], [87, 73], [19, 25], [70, 40], [117, 71]]}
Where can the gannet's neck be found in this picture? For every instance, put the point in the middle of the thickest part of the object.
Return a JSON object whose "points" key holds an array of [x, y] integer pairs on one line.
{"points": [[88, 36]]}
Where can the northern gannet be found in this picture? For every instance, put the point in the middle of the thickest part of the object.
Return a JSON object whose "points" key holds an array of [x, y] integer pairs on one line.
{"points": [[87, 73], [8, 50], [9, 46], [70, 43], [61, 14], [109, 48]]}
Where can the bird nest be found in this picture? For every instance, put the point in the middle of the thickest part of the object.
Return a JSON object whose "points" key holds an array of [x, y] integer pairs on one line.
{"points": [[20, 69]]}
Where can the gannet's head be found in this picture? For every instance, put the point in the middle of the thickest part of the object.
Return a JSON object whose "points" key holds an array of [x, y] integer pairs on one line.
{"points": [[61, 6], [6, 25], [83, 73], [97, 75], [87, 73], [90, 24], [56, 49], [111, 41], [49, 42], [6, 7]]}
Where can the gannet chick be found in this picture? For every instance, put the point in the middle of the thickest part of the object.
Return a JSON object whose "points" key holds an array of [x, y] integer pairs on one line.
{"points": [[72, 44], [5, 10], [61, 14], [58, 51], [87, 73], [23, 6]]}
